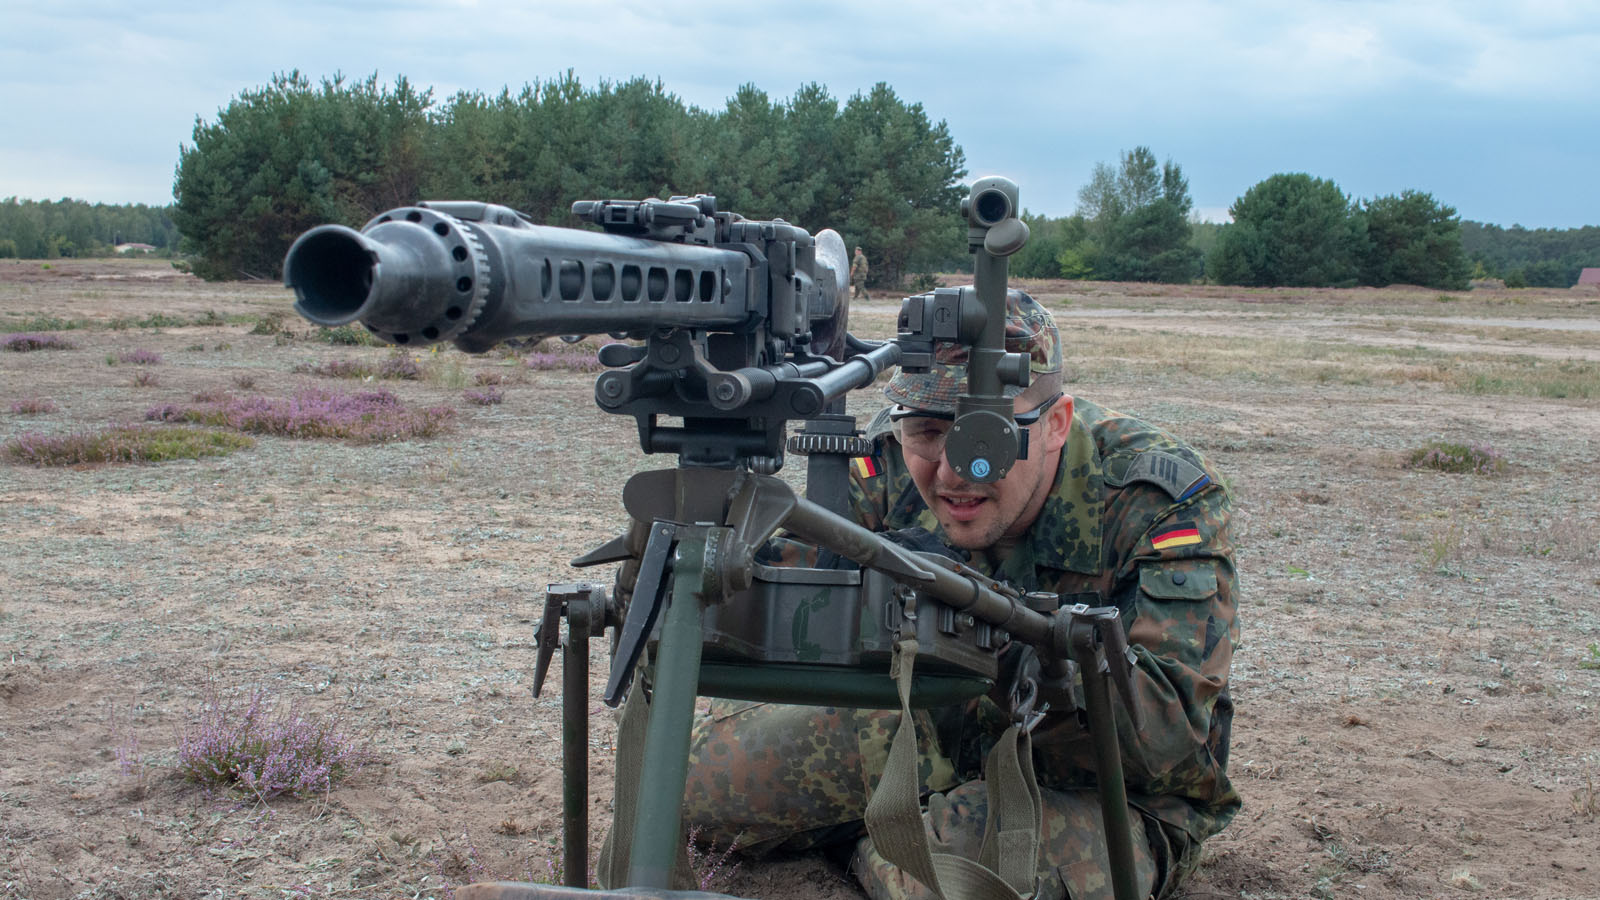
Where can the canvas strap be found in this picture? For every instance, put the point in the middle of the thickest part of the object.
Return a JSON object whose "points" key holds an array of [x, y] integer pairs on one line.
{"points": [[611, 871], [1007, 864]]}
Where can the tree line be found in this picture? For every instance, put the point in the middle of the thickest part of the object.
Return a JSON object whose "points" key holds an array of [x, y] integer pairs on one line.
{"points": [[1531, 257], [293, 154], [50, 229], [1133, 223]]}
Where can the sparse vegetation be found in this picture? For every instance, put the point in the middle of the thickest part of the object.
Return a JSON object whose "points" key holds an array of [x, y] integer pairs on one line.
{"points": [[268, 325], [363, 417], [397, 366], [29, 406], [563, 360], [1593, 659], [154, 321], [1461, 459], [266, 747], [489, 396], [444, 370], [499, 772], [139, 357], [1535, 378], [713, 866], [123, 443], [349, 336], [24, 343], [1586, 799]]}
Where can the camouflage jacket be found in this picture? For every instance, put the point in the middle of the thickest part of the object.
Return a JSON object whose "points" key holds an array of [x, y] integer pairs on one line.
{"points": [[1139, 520]]}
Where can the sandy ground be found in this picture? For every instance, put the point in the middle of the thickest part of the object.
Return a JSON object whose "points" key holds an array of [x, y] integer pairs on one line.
{"points": [[1417, 688]]}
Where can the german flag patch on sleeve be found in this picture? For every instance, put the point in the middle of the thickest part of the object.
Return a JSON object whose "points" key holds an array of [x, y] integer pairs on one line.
{"points": [[866, 467], [1181, 534]]}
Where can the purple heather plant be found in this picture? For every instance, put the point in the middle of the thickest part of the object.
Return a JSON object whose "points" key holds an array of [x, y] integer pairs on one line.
{"points": [[22, 343], [489, 396], [140, 357], [397, 367], [131, 763], [364, 417], [541, 361], [400, 366], [32, 405], [266, 748], [121, 443], [713, 867]]}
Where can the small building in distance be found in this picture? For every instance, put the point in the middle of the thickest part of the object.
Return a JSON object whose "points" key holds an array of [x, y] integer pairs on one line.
{"points": [[1589, 277], [136, 248]]}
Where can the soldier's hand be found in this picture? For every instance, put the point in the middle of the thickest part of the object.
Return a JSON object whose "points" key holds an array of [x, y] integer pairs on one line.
{"points": [[924, 541]]}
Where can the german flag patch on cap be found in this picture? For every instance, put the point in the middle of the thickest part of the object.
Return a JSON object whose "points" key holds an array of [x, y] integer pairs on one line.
{"points": [[1180, 535]]}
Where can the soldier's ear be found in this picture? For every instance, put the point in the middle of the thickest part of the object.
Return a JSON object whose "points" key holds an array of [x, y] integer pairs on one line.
{"points": [[1058, 424]]}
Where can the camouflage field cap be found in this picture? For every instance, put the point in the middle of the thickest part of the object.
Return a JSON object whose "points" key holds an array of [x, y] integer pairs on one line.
{"points": [[1030, 329]]}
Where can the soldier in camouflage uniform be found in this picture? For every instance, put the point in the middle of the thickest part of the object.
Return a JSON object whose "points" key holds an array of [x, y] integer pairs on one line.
{"points": [[1106, 509], [858, 276]]}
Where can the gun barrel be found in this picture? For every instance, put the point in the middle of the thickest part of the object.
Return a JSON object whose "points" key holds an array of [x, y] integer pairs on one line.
{"points": [[477, 274]]}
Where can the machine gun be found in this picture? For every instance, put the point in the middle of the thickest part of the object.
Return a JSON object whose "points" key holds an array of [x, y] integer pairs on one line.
{"points": [[735, 328]]}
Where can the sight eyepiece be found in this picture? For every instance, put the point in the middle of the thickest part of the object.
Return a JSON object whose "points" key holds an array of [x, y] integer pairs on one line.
{"points": [[992, 200]]}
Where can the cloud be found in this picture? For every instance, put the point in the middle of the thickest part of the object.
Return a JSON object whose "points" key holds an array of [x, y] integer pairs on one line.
{"points": [[1040, 90]]}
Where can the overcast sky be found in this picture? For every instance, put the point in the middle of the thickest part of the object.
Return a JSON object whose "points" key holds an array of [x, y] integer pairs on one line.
{"points": [[1492, 107]]}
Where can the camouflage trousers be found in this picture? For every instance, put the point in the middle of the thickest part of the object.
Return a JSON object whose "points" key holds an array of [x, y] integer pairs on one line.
{"points": [[768, 777]]}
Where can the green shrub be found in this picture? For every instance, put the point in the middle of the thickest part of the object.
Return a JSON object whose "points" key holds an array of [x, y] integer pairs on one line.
{"points": [[349, 336], [268, 325]]}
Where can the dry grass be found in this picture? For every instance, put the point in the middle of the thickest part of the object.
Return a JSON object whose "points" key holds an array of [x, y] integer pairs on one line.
{"points": [[1398, 720], [1106, 354]]}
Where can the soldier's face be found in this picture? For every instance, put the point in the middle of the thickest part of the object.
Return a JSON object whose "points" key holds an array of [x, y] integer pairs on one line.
{"points": [[976, 516]]}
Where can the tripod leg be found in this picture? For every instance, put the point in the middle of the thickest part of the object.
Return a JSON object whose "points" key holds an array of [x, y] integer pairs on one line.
{"points": [[657, 832]]}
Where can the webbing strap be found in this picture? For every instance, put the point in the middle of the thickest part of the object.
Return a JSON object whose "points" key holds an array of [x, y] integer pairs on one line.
{"points": [[1011, 831], [894, 814], [611, 871]]}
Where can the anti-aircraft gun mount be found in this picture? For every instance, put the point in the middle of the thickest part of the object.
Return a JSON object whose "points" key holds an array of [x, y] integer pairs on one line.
{"points": [[733, 328]]}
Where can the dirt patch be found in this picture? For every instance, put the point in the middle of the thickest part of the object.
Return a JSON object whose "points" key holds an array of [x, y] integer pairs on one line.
{"points": [[1417, 687]]}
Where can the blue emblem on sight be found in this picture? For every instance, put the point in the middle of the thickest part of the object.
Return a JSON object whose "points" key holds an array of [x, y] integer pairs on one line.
{"points": [[980, 468]]}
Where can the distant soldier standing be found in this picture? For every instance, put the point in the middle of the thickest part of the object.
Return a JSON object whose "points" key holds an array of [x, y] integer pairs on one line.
{"points": [[858, 276]]}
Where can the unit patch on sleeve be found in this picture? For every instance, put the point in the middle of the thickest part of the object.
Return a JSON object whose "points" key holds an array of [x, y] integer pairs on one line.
{"points": [[1179, 477], [1181, 534]]}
